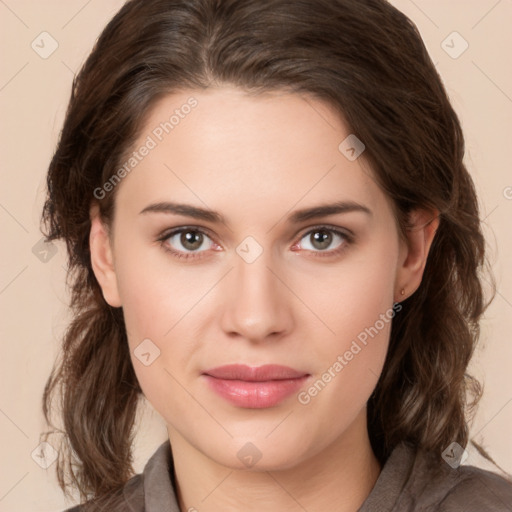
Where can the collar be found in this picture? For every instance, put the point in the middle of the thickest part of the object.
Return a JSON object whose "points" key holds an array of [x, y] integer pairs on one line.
{"points": [[158, 483]]}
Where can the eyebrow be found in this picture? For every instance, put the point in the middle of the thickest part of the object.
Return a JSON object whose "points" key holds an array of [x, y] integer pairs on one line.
{"points": [[212, 216]]}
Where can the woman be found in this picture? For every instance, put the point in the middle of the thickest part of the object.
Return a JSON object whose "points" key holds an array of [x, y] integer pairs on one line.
{"points": [[272, 237]]}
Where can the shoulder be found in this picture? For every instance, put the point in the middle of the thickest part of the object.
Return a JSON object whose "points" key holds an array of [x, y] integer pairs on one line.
{"points": [[414, 480], [128, 499], [469, 488], [443, 488], [153, 488]]}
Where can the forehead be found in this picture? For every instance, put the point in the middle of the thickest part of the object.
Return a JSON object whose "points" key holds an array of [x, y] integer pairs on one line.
{"points": [[224, 147]]}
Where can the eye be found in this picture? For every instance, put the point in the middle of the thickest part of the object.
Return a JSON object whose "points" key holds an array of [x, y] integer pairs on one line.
{"points": [[187, 242], [324, 239], [191, 242]]}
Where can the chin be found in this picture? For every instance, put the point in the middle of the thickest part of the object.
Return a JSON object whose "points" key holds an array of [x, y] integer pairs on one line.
{"points": [[258, 454]]}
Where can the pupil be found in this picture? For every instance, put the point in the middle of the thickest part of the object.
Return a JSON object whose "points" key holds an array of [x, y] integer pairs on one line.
{"points": [[322, 239], [191, 240]]}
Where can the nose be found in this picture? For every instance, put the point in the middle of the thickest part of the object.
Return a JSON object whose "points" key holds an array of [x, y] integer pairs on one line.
{"points": [[257, 304]]}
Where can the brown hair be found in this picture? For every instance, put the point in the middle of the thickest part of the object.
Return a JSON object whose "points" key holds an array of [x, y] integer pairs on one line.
{"points": [[366, 60]]}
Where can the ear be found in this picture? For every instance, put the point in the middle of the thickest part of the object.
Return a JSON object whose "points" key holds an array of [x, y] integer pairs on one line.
{"points": [[102, 259], [414, 251]]}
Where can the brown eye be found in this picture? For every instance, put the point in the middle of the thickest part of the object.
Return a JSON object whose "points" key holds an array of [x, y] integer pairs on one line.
{"points": [[184, 241], [191, 240], [324, 239], [321, 239]]}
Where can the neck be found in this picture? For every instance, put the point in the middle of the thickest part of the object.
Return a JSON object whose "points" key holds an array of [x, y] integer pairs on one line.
{"points": [[339, 477]]}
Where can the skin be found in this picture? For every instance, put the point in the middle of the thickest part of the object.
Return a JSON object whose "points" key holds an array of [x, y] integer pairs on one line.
{"points": [[256, 160]]}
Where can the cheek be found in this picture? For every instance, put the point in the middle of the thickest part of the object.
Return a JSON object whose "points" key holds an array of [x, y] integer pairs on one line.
{"points": [[356, 306], [156, 347], [158, 307], [155, 293], [351, 296]]}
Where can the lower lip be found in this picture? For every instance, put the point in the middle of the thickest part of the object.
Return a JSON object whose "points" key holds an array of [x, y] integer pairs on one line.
{"points": [[255, 395]]}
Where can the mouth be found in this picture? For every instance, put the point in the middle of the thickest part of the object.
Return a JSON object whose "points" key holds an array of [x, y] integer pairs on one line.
{"points": [[255, 387]]}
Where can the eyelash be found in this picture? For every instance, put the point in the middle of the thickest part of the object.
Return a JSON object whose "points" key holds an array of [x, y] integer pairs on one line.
{"points": [[348, 239]]}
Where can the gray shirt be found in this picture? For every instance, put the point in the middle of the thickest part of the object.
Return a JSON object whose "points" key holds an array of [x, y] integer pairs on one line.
{"points": [[409, 481]]}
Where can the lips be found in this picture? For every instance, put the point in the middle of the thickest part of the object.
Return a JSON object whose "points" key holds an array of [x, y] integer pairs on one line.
{"points": [[255, 387]]}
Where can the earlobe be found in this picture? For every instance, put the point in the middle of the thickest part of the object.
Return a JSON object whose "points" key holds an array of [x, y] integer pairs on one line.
{"points": [[102, 259], [420, 235]]}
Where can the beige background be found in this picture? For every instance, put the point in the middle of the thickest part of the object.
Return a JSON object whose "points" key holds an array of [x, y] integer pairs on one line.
{"points": [[33, 97]]}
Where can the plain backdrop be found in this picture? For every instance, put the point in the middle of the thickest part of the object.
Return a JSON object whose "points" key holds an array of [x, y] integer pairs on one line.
{"points": [[34, 90]]}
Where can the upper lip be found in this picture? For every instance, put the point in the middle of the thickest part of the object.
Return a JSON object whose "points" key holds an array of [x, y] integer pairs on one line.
{"points": [[254, 373]]}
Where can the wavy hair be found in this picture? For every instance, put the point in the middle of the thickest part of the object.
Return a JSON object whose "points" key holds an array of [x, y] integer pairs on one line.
{"points": [[368, 62]]}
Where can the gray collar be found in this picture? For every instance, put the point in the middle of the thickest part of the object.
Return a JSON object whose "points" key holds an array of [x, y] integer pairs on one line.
{"points": [[158, 489], [159, 492]]}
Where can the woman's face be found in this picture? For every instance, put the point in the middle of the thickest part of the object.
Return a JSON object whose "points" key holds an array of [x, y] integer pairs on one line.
{"points": [[258, 275]]}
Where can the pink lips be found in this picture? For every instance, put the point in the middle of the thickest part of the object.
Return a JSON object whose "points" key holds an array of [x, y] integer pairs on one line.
{"points": [[255, 387]]}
